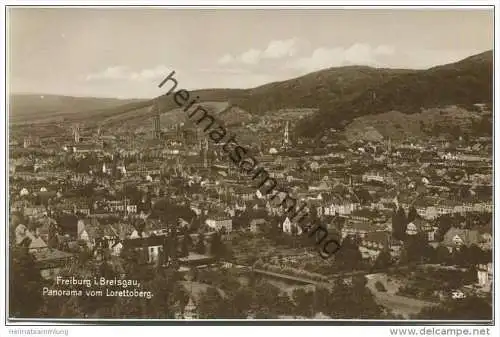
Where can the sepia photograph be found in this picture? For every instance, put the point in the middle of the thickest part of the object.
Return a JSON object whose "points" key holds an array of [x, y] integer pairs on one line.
{"points": [[250, 165]]}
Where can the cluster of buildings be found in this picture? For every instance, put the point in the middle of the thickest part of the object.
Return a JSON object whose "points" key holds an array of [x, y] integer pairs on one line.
{"points": [[95, 188]]}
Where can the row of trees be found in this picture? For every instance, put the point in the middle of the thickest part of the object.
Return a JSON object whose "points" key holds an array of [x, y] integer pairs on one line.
{"points": [[26, 284], [400, 222], [226, 298], [418, 251], [444, 222], [261, 299], [469, 308]]}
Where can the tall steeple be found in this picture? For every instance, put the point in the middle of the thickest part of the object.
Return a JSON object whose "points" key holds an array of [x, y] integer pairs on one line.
{"points": [[286, 137], [155, 109], [205, 153], [76, 133]]}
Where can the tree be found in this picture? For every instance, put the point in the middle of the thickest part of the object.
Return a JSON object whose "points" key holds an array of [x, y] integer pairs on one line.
{"points": [[349, 256], [322, 299], [284, 305], [68, 224], [139, 226], [217, 247], [265, 314], [399, 223], [417, 248], [200, 245], [186, 244], [211, 304], [240, 303], [53, 241], [412, 214], [339, 222], [166, 211], [476, 255], [364, 196], [181, 296], [132, 192], [83, 268], [300, 164], [304, 301], [469, 308], [383, 260], [25, 284], [442, 255], [171, 244], [444, 224], [354, 301], [167, 299], [462, 256], [264, 298]]}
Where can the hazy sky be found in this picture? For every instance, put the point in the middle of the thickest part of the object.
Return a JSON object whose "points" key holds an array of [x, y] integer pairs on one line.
{"points": [[126, 52]]}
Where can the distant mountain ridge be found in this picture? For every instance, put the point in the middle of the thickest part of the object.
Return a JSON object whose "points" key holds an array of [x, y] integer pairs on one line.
{"points": [[306, 91], [462, 84], [38, 108], [329, 85]]}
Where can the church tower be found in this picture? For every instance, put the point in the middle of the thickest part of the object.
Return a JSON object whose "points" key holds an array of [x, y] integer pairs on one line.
{"points": [[76, 133], [286, 137], [155, 109], [205, 153]]}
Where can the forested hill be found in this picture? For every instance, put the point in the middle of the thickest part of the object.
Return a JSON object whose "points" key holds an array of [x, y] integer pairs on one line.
{"points": [[463, 84]]}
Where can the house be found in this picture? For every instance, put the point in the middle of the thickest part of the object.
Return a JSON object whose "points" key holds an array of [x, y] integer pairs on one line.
{"points": [[118, 205], [445, 207], [131, 208], [356, 228], [21, 233], [87, 148], [50, 262], [149, 248], [463, 208], [426, 208], [486, 207], [189, 311], [256, 225], [246, 194], [82, 233], [34, 211], [456, 237], [429, 212], [37, 244], [82, 210], [322, 186], [371, 176], [341, 208], [44, 229], [116, 247], [485, 237], [220, 223], [389, 197], [114, 244], [289, 227], [485, 275], [195, 291], [373, 243], [421, 226]]}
